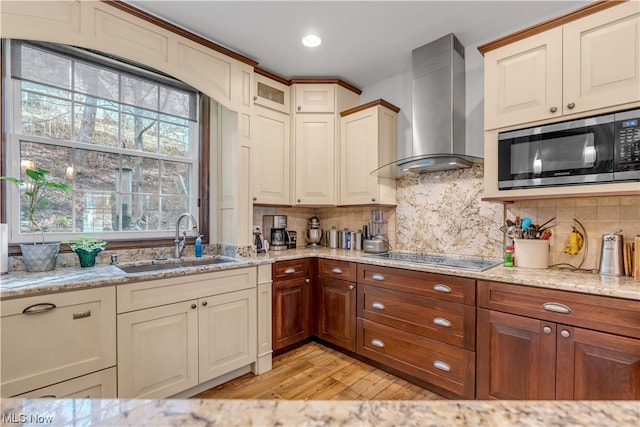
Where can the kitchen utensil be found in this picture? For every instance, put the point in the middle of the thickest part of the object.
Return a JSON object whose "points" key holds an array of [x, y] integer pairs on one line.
{"points": [[542, 226], [612, 256]]}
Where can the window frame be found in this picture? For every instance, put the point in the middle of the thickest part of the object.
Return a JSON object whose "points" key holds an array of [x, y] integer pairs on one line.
{"points": [[10, 165]]}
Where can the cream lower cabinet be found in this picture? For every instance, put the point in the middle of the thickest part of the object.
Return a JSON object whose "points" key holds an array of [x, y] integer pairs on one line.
{"points": [[52, 343], [585, 65], [368, 139], [98, 385], [187, 331]]}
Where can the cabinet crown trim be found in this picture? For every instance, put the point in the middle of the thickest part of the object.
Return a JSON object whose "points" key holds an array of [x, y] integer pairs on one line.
{"points": [[375, 103]]}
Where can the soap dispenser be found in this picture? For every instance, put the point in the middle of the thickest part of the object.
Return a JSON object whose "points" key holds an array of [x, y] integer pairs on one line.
{"points": [[198, 248]]}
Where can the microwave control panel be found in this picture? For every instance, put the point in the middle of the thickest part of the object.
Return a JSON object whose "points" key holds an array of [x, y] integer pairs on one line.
{"points": [[628, 141]]}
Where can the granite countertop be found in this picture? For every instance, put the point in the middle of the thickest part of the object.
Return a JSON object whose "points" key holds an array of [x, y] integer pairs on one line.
{"points": [[205, 412], [20, 283]]}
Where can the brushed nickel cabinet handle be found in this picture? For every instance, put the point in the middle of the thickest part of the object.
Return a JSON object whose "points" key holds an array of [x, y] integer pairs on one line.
{"points": [[378, 277], [290, 271], [553, 109], [571, 105], [378, 305], [82, 315], [441, 321], [438, 364], [352, 287], [556, 307], [336, 270], [39, 308], [377, 343], [439, 287]]}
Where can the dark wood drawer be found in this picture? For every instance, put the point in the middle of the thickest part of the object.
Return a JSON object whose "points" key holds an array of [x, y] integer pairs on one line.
{"points": [[341, 270], [442, 365], [293, 269], [444, 321], [618, 316], [450, 288]]}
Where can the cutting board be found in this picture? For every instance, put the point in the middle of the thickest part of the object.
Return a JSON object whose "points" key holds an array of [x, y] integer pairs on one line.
{"points": [[636, 259]]}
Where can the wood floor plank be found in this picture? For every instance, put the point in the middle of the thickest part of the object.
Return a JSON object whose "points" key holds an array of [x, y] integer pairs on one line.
{"points": [[316, 372]]}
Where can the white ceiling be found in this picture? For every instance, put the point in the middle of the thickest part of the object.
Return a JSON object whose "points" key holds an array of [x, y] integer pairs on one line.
{"points": [[364, 42]]}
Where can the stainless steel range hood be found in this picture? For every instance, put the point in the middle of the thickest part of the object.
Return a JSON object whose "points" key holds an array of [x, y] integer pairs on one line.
{"points": [[438, 112]]}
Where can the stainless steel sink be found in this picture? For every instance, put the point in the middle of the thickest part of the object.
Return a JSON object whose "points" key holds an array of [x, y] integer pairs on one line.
{"points": [[173, 265]]}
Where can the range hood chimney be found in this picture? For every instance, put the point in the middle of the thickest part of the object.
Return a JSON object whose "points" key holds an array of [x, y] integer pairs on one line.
{"points": [[438, 112]]}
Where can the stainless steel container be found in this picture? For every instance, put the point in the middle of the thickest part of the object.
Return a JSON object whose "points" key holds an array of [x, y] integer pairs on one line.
{"points": [[333, 238], [612, 258]]}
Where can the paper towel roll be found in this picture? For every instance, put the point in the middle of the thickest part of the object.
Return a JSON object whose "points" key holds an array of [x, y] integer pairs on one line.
{"points": [[4, 248]]}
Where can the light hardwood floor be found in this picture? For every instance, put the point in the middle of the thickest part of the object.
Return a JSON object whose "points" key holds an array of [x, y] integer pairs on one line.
{"points": [[316, 372]]}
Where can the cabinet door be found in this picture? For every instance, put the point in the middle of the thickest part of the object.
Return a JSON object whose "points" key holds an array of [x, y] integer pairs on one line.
{"points": [[228, 333], [158, 351], [594, 365], [358, 137], [523, 81], [337, 312], [271, 94], [515, 357], [98, 385], [48, 339], [270, 163], [315, 98], [601, 57], [291, 311], [315, 159]]}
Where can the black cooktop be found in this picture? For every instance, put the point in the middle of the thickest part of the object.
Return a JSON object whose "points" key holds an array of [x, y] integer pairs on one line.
{"points": [[447, 261]]}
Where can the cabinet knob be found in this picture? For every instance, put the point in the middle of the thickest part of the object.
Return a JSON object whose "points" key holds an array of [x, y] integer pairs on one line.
{"points": [[299, 107], [299, 201], [373, 199], [352, 287], [571, 105], [553, 109], [307, 280], [204, 303], [255, 199], [547, 330], [193, 306], [255, 97], [565, 333]]}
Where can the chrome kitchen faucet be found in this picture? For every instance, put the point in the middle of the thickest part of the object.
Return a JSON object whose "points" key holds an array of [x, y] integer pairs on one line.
{"points": [[180, 244]]}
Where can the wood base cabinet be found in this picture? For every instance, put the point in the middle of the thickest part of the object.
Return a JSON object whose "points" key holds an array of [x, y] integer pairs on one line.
{"points": [[536, 344], [337, 303], [292, 291]]}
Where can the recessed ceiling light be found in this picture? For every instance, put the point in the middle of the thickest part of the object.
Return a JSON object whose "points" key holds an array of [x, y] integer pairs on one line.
{"points": [[311, 40]]}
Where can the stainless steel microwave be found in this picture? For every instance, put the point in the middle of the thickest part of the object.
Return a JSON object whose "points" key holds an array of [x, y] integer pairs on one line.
{"points": [[584, 151]]}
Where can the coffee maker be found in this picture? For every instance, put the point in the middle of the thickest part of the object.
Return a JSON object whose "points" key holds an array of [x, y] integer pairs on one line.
{"points": [[274, 227], [258, 239]]}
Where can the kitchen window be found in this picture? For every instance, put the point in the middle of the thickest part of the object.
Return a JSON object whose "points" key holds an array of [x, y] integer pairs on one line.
{"points": [[126, 139]]}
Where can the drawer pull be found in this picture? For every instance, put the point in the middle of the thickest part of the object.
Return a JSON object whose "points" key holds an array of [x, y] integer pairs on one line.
{"points": [[378, 277], [378, 305], [39, 308], [290, 271], [48, 396], [439, 287], [377, 343], [442, 322], [82, 315], [441, 365], [336, 270], [556, 307]]}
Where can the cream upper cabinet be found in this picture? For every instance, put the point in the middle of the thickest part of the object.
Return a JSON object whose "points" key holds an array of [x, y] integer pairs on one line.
{"points": [[522, 81], [315, 159], [271, 94], [52, 338], [315, 98], [316, 140], [270, 157], [601, 59], [368, 140], [585, 65]]}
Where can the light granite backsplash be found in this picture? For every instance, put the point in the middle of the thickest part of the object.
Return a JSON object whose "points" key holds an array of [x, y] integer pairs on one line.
{"points": [[443, 213], [598, 215]]}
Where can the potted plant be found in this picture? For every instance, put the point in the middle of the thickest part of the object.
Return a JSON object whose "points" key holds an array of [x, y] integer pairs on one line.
{"points": [[35, 188], [87, 249]]}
